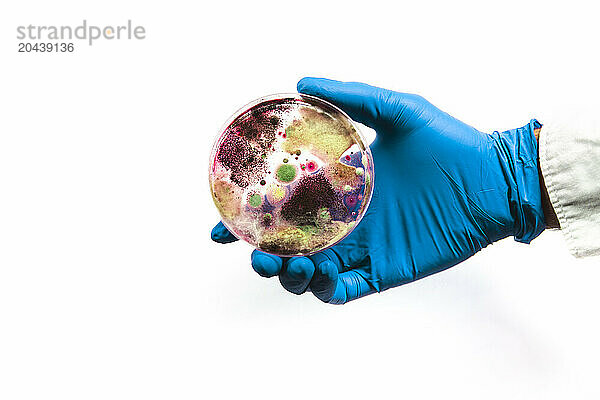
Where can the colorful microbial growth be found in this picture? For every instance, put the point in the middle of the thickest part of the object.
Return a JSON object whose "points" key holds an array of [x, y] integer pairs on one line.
{"points": [[291, 175]]}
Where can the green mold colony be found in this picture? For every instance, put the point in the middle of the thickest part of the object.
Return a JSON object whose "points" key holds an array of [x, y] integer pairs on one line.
{"points": [[255, 200], [286, 173]]}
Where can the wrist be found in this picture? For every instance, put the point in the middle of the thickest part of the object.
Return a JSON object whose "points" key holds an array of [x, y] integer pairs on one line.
{"points": [[550, 217], [518, 154]]}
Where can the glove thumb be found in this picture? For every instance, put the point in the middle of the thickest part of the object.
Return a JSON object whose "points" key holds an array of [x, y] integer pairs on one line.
{"points": [[372, 106], [220, 234]]}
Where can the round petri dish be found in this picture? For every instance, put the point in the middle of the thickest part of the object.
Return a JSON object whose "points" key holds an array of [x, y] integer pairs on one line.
{"points": [[291, 174]]}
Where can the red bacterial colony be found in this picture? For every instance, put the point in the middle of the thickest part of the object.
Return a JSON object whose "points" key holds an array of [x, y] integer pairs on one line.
{"points": [[291, 174]]}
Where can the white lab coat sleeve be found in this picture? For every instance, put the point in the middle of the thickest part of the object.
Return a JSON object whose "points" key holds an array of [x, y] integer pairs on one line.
{"points": [[569, 151]]}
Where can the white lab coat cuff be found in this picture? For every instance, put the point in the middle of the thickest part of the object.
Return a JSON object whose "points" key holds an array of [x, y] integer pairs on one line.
{"points": [[569, 152]]}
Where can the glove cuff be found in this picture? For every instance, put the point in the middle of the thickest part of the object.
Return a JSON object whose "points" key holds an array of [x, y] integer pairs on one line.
{"points": [[519, 150]]}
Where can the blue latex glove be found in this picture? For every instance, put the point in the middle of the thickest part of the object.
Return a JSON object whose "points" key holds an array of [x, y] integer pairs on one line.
{"points": [[443, 191]]}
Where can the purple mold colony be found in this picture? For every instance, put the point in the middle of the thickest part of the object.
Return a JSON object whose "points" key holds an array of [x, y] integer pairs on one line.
{"points": [[291, 175]]}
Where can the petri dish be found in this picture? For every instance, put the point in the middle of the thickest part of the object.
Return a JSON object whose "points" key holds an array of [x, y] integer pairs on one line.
{"points": [[291, 174]]}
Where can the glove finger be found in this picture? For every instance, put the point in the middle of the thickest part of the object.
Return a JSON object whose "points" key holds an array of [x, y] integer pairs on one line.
{"points": [[369, 105], [266, 265], [324, 281], [334, 282], [296, 274], [350, 286], [334, 287], [328, 255], [220, 234]]}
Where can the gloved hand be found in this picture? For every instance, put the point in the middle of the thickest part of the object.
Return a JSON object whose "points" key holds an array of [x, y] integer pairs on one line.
{"points": [[443, 191]]}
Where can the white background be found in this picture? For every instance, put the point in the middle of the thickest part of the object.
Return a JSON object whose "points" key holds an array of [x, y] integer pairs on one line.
{"points": [[110, 287]]}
